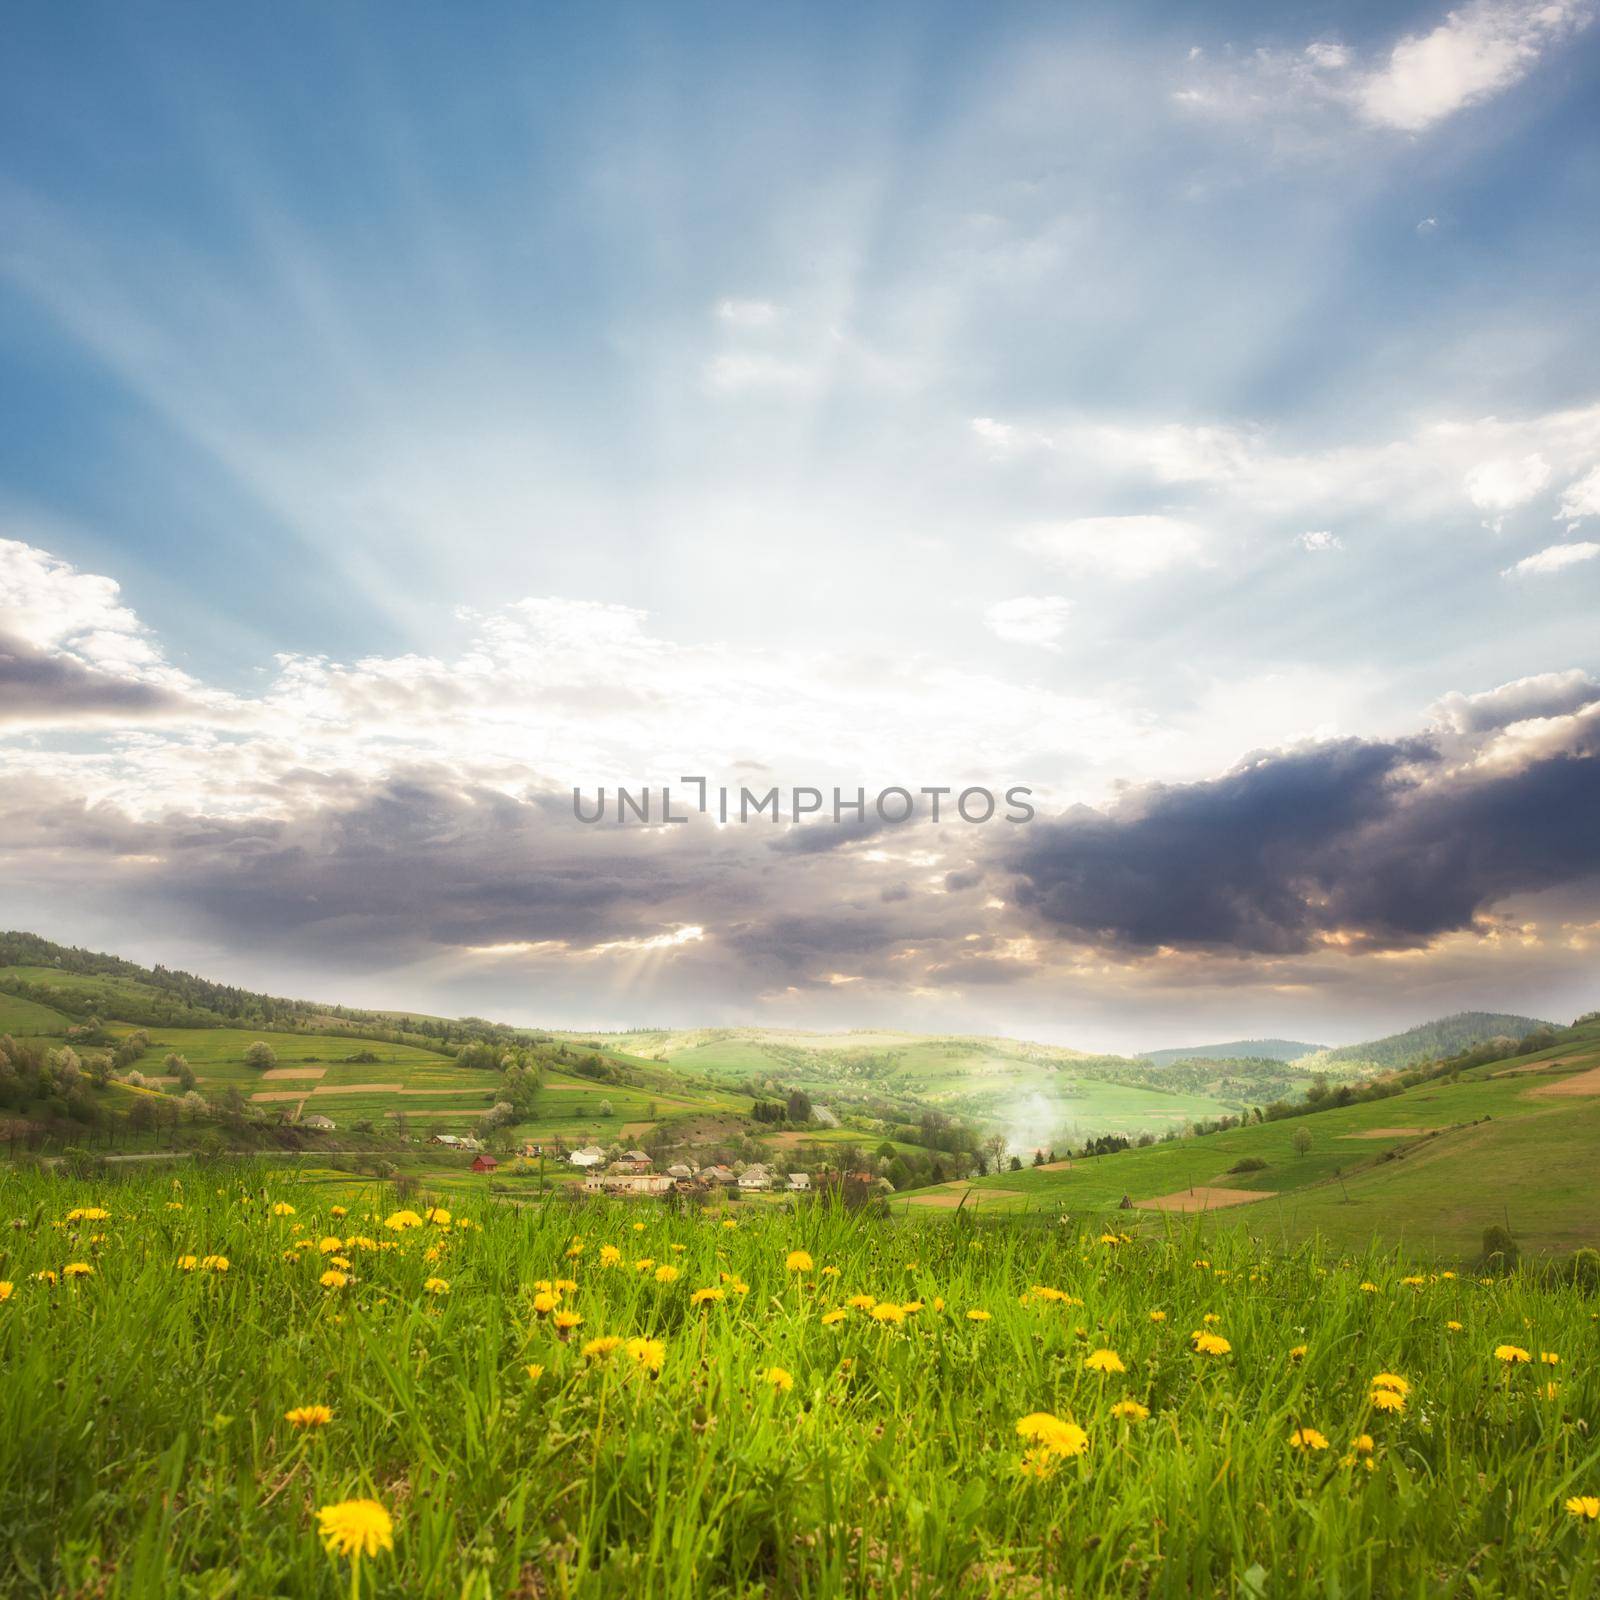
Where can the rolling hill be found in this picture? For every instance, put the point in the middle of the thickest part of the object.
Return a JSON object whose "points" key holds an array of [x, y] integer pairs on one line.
{"points": [[1234, 1050], [1428, 1041]]}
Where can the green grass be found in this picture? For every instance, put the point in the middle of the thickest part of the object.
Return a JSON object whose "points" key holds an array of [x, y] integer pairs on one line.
{"points": [[143, 1446], [27, 1018]]}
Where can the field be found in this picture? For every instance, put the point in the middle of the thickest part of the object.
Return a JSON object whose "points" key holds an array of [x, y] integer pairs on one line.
{"points": [[1429, 1168], [602, 1400]]}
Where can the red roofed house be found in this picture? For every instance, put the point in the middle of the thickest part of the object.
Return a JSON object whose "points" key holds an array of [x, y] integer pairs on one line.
{"points": [[485, 1164]]}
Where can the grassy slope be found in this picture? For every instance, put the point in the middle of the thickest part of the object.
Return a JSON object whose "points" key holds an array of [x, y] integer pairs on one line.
{"points": [[1531, 1163], [28, 1019]]}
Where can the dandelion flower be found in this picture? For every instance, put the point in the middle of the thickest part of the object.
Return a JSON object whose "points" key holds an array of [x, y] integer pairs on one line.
{"points": [[438, 1216], [399, 1221], [1307, 1439], [1362, 1444], [1453, 1326], [1158, 1316], [1130, 1411], [77, 1269], [88, 1214], [309, 1417], [282, 1208], [1387, 1400], [188, 1263], [977, 1315], [7, 1288], [334, 1279], [781, 1379], [1369, 1288], [1298, 1352], [1585, 1507], [831, 1318], [1392, 1380], [1051, 1433], [1549, 1358], [1106, 1361], [436, 1286], [666, 1274], [45, 1275], [598, 1349], [646, 1354], [545, 1302], [727, 1222], [703, 1297], [338, 1211], [356, 1528], [862, 1302], [610, 1256], [565, 1321], [1210, 1344], [799, 1261], [534, 1370], [887, 1311], [1512, 1354]]}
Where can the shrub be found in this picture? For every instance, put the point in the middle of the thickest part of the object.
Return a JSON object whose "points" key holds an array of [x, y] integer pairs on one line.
{"points": [[1500, 1251], [1248, 1164]]}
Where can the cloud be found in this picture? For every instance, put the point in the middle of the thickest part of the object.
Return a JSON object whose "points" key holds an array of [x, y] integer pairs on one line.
{"points": [[748, 313], [1353, 844], [1476, 53], [44, 689], [1029, 619], [1499, 486], [1553, 558], [1320, 539], [1581, 499], [1546, 694], [1129, 548]]}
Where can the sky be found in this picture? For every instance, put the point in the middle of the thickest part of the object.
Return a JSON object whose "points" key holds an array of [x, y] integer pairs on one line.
{"points": [[1188, 415]]}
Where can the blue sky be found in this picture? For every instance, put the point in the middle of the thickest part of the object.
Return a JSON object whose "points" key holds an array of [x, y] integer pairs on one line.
{"points": [[402, 410]]}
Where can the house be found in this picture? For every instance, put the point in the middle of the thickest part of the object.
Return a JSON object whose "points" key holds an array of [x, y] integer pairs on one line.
{"points": [[620, 1181], [319, 1123], [484, 1163], [756, 1177], [799, 1180], [448, 1140], [719, 1175], [591, 1155], [680, 1171], [636, 1159]]}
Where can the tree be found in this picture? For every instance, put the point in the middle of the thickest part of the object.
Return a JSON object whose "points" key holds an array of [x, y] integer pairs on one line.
{"points": [[1302, 1141], [1500, 1250], [605, 1109], [261, 1056], [177, 1066], [997, 1146], [799, 1106], [194, 1103]]}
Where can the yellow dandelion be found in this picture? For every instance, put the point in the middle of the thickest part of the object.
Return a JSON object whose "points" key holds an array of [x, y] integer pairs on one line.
{"points": [[610, 1255], [1158, 1316], [798, 1261], [1298, 1352], [1106, 1361], [1549, 1358], [77, 1269], [88, 1214], [356, 1528], [599, 1349], [436, 1286], [282, 1208], [833, 1318], [1362, 1444], [780, 1378], [1387, 1400], [862, 1302], [1453, 1326], [565, 1321], [1585, 1507], [535, 1371], [1512, 1354], [1369, 1288], [887, 1311], [1130, 1411], [1307, 1439], [667, 1274], [334, 1279], [399, 1221], [545, 1301], [338, 1211], [1051, 1433], [648, 1355], [1392, 1380], [977, 1315], [438, 1216], [7, 1289], [45, 1276], [1209, 1344], [188, 1263], [309, 1417], [704, 1297]]}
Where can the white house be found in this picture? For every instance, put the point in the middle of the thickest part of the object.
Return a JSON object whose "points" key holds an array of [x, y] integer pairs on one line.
{"points": [[590, 1156], [755, 1178], [799, 1180], [319, 1122]]}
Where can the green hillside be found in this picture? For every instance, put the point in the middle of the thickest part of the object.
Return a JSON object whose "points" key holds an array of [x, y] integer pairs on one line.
{"points": [[1234, 1050], [1430, 1167], [1429, 1041]]}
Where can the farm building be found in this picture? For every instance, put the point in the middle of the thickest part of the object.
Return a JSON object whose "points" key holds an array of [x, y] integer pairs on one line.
{"points": [[449, 1140], [591, 1155], [719, 1175], [636, 1159], [756, 1177], [680, 1170], [624, 1182], [485, 1163], [318, 1123], [799, 1180]]}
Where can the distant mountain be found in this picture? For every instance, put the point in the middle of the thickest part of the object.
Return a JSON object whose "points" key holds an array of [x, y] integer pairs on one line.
{"points": [[1235, 1050], [1429, 1041]]}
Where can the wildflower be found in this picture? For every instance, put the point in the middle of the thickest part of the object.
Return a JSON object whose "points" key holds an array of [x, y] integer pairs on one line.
{"points": [[1037, 1462], [338, 1211], [399, 1221], [77, 1269], [727, 1222], [1106, 1361], [88, 1214], [1512, 1354], [1050, 1433], [213, 1263], [309, 1417], [1362, 1444], [356, 1528], [798, 1261], [1298, 1352], [565, 1321], [1210, 1319], [188, 1263], [1453, 1326], [703, 1297], [1210, 1344], [830, 1272], [666, 1274], [334, 1279], [781, 1379], [938, 1302], [1307, 1439], [6, 1290], [1549, 1358], [438, 1216], [862, 1302], [599, 1349], [646, 1354], [1585, 1507], [911, 1307], [436, 1286], [1130, 1411], [1387, 1400], [1551, 1390], [887, 1311], [566, 1286], [575, 1249], [282, 1208], [975, 1315], [545, 1302], [831, 1318], [1158, 1316], [1392, 1380], [341, 1262], [1369, 1288], [534, 1370], [610, 1256], [644, 1263], [45, 1276]]}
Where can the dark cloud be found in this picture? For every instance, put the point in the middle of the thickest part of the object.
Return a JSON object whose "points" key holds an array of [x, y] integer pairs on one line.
{"points": [[36, 686], [965, 878], [1375, 841]]}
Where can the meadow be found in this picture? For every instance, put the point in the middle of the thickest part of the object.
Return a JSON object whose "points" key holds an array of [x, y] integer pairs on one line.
{"points": [[233, 1382]]}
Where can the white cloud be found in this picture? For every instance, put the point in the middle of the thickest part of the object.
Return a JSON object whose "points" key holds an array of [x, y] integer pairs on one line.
{"points": [[1499, 486], [1474, 54], [1581, 499], [739, 372], [1029, 619], [1321, 539], [1553, 558], [1120, 547], [748, 313]]}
